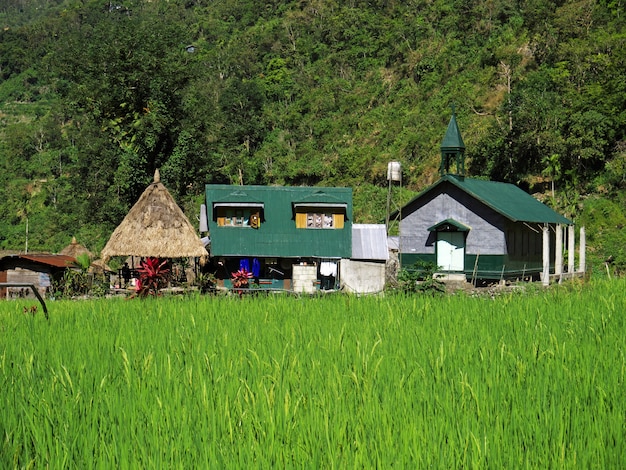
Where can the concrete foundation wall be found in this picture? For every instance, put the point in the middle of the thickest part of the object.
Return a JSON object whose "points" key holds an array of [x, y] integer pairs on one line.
{"points": [[362, 277]]}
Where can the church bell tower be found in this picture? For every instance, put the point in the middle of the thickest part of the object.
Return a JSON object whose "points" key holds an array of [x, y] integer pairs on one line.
{"points": [[452, 150]]}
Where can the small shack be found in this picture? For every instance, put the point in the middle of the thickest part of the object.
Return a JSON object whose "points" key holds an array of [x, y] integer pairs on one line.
{"points": [[75, 249], [41, 270], [364, 272], [155, 227]]}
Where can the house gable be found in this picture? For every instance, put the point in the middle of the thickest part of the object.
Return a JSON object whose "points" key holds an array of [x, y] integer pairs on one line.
{"points": [[436, 208], [504, 198], [495, 245]]}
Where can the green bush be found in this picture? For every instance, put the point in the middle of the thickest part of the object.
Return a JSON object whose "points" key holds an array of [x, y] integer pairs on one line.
{"points": [[420, 278], [605, 220]]}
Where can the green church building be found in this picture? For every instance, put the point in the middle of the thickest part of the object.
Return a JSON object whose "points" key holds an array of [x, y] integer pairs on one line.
{"points": [[478, 229]]}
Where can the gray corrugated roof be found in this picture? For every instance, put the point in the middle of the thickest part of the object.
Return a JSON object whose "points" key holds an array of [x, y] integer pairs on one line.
{"points": [[369, 241]]}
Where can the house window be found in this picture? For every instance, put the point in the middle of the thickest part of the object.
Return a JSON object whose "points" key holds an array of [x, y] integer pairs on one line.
{"points": [[319, 220], [238, 217]]}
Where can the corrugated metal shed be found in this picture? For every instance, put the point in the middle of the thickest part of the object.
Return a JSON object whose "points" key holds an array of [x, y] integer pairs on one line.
{"points": [[369, 242], [504, 198], [37, 269]]}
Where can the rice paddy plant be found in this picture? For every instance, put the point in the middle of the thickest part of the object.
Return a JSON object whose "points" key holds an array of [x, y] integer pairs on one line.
{"points": [[521, 380]]}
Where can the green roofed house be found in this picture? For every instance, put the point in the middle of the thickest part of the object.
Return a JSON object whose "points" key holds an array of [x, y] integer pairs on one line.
{"points": [[287, 237], [478, 229]]}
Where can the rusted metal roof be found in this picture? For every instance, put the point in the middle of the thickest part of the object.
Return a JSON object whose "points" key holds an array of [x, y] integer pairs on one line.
{"points": [[57, 261]]}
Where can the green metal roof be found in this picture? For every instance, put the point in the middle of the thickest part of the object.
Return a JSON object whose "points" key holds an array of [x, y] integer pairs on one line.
{"points": [[504, 198], [449, 225], [319, 197], [237, 195], [277, 235], [452, 140]]}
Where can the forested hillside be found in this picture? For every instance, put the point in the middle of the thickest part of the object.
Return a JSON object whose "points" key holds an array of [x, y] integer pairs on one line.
{"points": [[94, 95]]}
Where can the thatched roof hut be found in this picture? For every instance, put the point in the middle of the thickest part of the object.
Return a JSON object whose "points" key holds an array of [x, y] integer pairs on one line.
{"points": [[75, 249], [98, 266], [155, 226]]}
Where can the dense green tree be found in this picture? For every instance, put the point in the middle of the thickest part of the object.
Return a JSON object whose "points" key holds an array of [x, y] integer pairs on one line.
{"points": [[94, 96]]}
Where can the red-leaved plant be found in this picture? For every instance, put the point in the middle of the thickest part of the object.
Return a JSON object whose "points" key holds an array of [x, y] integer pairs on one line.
{"points": [[153, 275], [241, 278]]}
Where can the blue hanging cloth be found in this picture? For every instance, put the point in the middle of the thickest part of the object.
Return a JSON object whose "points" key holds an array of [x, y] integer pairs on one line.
{"points": [[244, 263], [256, 268]]}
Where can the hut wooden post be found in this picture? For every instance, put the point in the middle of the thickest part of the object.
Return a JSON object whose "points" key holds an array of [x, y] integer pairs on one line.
{"points": [[558, 252], [571, 248], [546, 256], [582, 246]]}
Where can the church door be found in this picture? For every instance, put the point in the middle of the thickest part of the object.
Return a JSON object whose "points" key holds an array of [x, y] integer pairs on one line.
{"points": [[451, 251]]}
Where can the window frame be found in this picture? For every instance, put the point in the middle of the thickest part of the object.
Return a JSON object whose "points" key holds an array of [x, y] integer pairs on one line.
{"points": [[320, 217], [245, 215]]}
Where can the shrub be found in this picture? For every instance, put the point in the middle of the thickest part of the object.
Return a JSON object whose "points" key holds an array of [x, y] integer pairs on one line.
{"points": [[153, 275], [206, 282], [241, 278], [420, 278]]}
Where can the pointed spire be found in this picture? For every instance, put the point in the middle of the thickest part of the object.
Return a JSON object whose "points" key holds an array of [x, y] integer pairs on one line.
{"points": [[453, 139], [452, 149]]}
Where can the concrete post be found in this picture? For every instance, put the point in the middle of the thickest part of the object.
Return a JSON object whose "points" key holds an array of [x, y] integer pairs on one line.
{"points": [[571, 248], [582, 246], [558, 253], [546, 256]]}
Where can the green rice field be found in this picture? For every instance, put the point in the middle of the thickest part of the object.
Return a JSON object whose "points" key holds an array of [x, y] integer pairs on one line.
{"points": [[533, 380]]}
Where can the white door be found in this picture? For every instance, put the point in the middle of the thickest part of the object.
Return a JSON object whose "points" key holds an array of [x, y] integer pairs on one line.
{"points": [[451, 251]]}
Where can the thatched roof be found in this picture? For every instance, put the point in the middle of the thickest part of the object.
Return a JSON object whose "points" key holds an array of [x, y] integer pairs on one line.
{"points": [[155, 226], [75, 249], [98, 266]]}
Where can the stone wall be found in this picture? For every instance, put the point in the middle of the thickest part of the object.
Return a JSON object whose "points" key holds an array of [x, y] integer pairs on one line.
{"points": [[304, 277]]}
